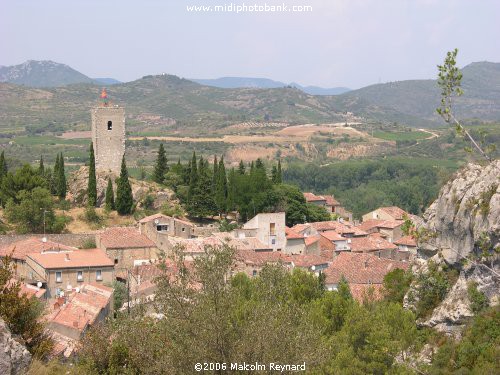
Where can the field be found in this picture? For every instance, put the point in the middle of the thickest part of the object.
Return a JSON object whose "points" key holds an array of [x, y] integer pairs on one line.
{"points": [[401, 136]]}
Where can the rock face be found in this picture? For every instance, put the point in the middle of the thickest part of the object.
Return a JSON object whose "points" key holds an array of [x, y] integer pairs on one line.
{"points": [[467, 210], [14, 357], [78, 182]]}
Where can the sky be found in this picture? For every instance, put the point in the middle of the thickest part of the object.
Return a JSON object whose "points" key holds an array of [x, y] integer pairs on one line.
{"points": [[350, 43]]}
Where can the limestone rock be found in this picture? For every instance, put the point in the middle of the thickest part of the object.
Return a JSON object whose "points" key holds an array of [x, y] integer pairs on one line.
{"points": [[467, 208], [78, 182], [14, 357]]}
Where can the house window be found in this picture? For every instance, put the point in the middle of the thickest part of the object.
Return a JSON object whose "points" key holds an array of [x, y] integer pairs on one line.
{"points": [[162, 228], [58, 277], [183, 229], [79, 276], [254, 273], [116, 260], [272, 229], [110, 125], [273, 241], [98, 275]]}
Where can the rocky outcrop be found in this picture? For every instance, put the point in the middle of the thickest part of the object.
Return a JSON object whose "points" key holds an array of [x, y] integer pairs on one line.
{"points": [[78, 182], [14, 357], [466, 212]]}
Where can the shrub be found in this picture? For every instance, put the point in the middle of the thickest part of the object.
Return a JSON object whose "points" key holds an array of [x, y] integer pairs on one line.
{"points": [[478, 300]]}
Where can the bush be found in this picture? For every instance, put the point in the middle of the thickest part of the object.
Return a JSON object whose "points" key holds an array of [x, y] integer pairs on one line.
{"points": [[478, 300], [91, 216], [396, 285], [89, 244]]}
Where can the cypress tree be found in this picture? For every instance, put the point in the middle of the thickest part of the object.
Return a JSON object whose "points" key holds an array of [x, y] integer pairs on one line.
{"points": [[110, 196], [161, 166], [193, 177], [61, 179], [221, 188], [124, 199], [215, 175], [3, 165], [231, 190], [279, 178], [92, 184], [202, 201], [241, 167], [274, 175], [41, 167], [54, 176]]}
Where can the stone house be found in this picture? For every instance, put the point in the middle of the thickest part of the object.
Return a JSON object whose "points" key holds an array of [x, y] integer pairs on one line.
{"points": [[391, 230], [63, 270], [268, 228], [159, 227], [407, 243], [363, 272], [126, 246], [386, 213], [19, 250]]}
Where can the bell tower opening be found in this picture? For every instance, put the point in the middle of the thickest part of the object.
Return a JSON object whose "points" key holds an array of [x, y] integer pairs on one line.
{"points": [[110, 125]]}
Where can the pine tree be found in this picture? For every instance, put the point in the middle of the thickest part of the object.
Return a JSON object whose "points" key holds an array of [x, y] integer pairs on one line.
{"points": [[161, 166], [110, 196], [3, 165], [61, 179], [124, 199], [41, 167], [92, 183], [221, 188]]}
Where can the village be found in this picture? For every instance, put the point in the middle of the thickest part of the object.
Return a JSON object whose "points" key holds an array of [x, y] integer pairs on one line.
{"points": [[75, 282]]}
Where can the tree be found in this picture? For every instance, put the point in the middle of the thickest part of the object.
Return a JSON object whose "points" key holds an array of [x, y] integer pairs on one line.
{"points": [[3, 165], [161, 166], [201, 202], [124, 199], [41, 168], [23, 315], [449, 80], [193, 176], [60, 177], [92, 183], [396, 284], [110, 196], [33, 208], [221, 187]]}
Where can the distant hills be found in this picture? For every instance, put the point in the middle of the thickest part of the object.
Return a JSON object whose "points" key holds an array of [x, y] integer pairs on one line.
{"points": [[265, 83], [42, 74], [411, 102]]}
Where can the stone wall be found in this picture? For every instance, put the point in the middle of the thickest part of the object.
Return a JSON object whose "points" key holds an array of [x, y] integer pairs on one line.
{"points": [[108, 140]]}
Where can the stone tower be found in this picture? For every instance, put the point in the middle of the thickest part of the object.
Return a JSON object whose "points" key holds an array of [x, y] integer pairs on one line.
{"points": [[108, 135]]}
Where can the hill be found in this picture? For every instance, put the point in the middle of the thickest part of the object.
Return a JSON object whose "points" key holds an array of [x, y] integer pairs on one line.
{"points": [[414, 101], [41, 74], [106, 81], [265, 83]]}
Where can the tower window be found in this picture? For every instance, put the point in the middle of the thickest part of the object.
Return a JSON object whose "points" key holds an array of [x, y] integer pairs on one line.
{"points": [[110, 125]]}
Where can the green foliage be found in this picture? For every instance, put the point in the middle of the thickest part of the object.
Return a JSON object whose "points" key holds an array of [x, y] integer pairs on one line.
{"points": [[119, 294], [476, 353], [91, 216], [364, 185], [89, 244], [124, 200], [172, 209], [316, 213], [29, 209], [23, 179], [22, 314], [432, 287], [478, 300], [161, 166], [226, 226], [396, 285], [92, 183], [60, 177], [110, 196]]}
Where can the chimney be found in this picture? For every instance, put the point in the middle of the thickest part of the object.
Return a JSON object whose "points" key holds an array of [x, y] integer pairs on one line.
{"points": [[66, 258]]}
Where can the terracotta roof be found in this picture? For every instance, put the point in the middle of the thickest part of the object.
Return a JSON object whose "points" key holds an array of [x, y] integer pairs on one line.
{"points": [[147, 219], [195, 245], [20, 249], [406, 240], [311, 197], [341, 228], [311, 239], [292, 235], [333, 236], [82, 308], [72, 259], [299, 228], [26, 289], [360, 268], [124, 238], [260, 258], [376, 223], [370, 243], [247, 243], [396, 212], [361, 291], [331, 201], [307, 260]]}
